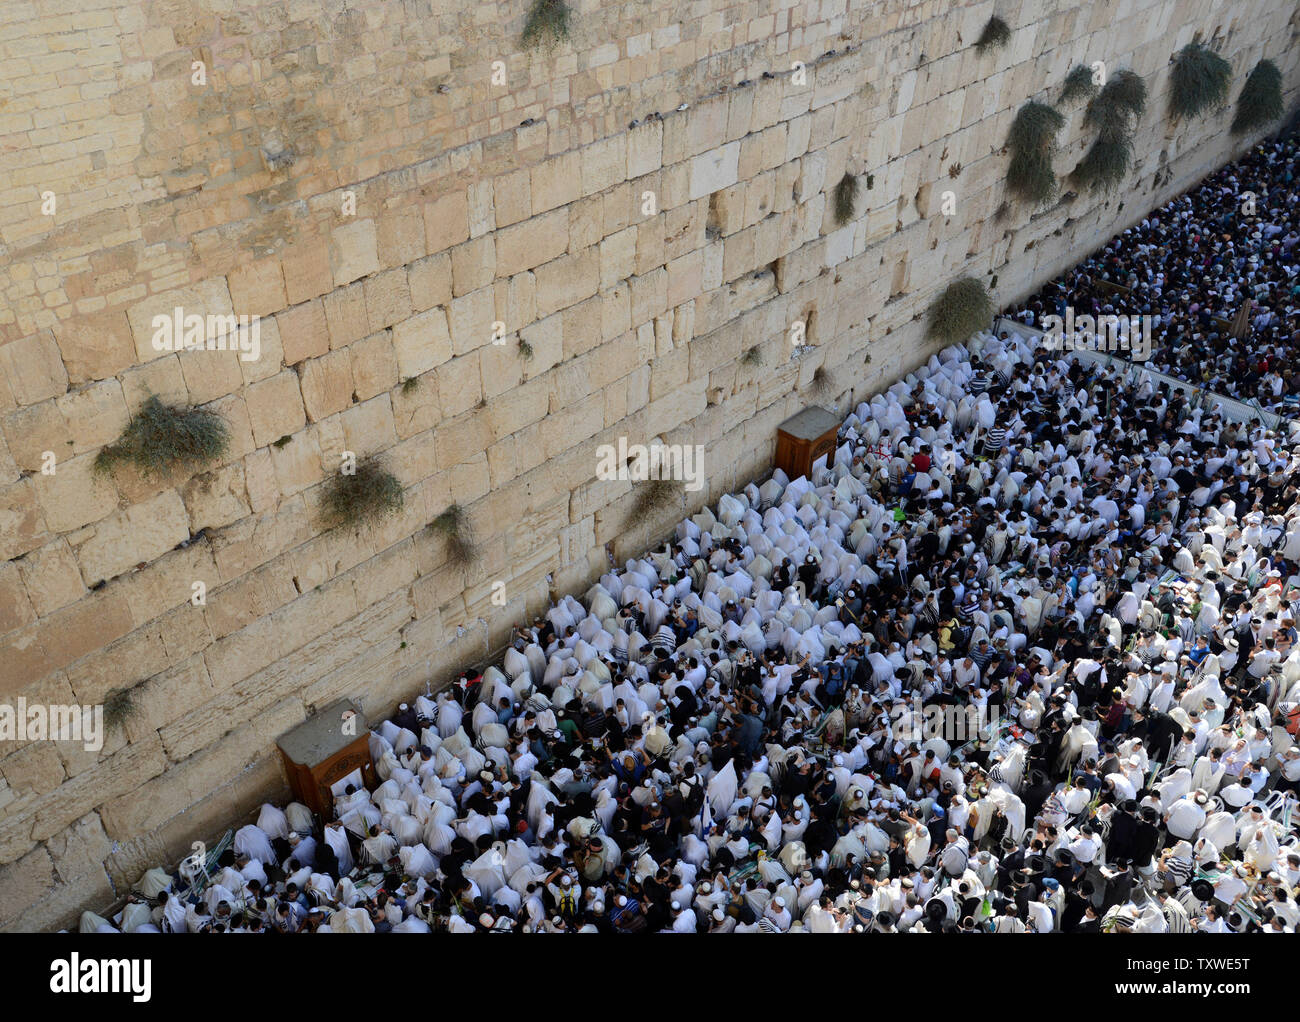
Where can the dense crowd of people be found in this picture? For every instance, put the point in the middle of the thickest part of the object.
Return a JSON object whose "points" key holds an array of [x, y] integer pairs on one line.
{"points": [[1022, 657], [1193, 265]]}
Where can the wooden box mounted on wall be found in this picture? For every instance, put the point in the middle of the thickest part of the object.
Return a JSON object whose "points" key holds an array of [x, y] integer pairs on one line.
{"points": [[804, 438], [323, 749]]}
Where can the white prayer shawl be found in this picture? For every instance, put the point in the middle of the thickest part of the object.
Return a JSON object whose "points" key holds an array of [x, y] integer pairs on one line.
{"points": [[722, 789], [174, 914], [916, 842], [351, 920], [273, 822], [135, 916], [417, 861], [1220, 829], [250, 840]]}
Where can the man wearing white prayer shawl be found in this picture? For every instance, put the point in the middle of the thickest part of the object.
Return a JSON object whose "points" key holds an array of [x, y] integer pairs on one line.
{"points": [[251, 841], [378, 848]]}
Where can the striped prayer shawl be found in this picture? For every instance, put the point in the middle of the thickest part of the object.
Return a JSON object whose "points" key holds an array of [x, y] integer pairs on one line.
{"points": [[1176, 916]]}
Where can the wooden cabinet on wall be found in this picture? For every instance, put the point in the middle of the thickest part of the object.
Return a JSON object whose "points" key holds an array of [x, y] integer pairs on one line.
{"points": [[323, 749], [804, 438]]}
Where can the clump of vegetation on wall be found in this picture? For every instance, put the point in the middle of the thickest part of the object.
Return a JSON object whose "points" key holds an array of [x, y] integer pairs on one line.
{"points": [[996, 33], [119, 707], [1106, 164], [161, 438], [1113, 112], [525, 350], [653, 495], [846, 194], [1079, 82], [548, 23], [1032, 141], [1199, 82], [454, 525], [962, 309], [822, 384], [366, 494], [1260, 100], [752, 357]]}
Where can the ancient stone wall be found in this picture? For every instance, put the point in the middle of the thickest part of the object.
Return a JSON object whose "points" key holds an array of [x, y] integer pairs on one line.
{"points": [[392, 187]]}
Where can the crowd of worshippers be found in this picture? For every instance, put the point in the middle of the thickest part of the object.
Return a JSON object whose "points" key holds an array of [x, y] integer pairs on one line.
{"points": [[1193, 264], [726, 735]]}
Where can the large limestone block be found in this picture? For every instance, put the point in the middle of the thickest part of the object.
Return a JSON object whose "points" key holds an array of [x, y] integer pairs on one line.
{"points": [[304, 332], [430, 281], [95, 346], [512, 194], [567, 280], [137, 535], [326, 385], [422, 343], [446, 221], [460, 385], [556, 182], [275, 407], [473, 264], [645, 148], [604, 164], [527, 245], [471, 320], [208, 298], [75, 495], [346, 315], [354, 251], [714, 169], [257, 288], [307, 273], [24, 883], [388, 299]]}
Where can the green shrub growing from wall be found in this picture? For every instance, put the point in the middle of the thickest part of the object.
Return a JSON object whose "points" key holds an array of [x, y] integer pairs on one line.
{"points": [[1032, 141], [365, 495], [162, 438], [964, 308], [548, 23], [846, 194], [1113, 112], [1079, 82], [1200, 81], [1261, 98], [996, 33]]}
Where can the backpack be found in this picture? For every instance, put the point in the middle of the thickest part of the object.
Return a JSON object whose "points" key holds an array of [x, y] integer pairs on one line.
{"points": [[695, 799]]}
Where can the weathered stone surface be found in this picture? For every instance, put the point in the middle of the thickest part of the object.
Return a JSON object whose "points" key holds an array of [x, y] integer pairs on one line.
{"points": [[95, 346], [23, 883], [34, 368], [137, 535], [327, 385], [412, 230], [275, 408], [354, 251], [74, 495]]}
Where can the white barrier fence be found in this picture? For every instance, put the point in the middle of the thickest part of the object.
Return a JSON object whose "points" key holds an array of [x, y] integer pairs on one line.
{"points": [[1231, 408]]}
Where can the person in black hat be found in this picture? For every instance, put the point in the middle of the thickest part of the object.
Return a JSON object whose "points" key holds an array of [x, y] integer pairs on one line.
{"points": [[1147, 839], [1122, 842], [1119, 884]]}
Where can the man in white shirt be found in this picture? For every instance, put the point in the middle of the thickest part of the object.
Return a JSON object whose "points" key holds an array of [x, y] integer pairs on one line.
{"points": [[1186, 816]]}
